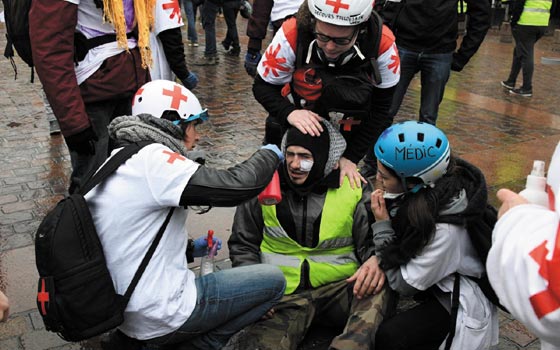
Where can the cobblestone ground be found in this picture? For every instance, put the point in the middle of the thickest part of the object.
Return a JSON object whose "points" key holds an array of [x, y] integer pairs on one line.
{"points": [[499, 133]]}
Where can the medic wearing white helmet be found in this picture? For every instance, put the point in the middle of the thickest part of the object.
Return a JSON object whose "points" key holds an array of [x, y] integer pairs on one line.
{"points": [[428, 200], [130, 206], [524, 262], [297, 76]]}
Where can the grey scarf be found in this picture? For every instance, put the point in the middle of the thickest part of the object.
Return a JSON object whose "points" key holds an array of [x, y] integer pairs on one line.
{"points": [[145, 127]]}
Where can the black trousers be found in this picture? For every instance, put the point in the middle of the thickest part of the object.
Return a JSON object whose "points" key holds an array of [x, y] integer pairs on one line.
{"points": [[423, 327]]}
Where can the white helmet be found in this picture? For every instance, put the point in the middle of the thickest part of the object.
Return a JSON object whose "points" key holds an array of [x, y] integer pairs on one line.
{"points": [[169, 100], [341, 12]]}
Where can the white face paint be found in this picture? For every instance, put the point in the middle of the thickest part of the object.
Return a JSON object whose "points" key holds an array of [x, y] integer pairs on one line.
{"points": [[305, 165]]}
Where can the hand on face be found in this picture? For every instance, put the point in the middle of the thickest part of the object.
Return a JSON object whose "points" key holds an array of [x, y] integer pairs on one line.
{"points": [[378, 206]]}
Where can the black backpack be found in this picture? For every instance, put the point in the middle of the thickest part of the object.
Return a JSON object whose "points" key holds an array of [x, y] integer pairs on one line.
{"points": [[16, 15], [76, 297]]}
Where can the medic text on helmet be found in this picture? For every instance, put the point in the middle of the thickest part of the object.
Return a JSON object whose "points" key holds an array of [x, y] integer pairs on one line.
{"points": [[337, 5], [415, 153]]}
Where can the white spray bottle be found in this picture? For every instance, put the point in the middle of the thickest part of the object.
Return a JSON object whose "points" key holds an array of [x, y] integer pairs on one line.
{"points": [[535, 189]]}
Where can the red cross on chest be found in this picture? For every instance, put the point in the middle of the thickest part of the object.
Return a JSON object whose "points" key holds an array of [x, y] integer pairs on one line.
{"points": [[176, 96], [348, 122], [337, 5], [173, 156]]}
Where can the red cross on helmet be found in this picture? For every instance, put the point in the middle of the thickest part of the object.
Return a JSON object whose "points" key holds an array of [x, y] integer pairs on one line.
{"points": [[165, 98], [341, 12]]}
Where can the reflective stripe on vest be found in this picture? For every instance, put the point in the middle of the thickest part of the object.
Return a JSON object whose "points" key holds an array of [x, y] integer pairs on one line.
{"points": [[332, 259], [535, 13]]}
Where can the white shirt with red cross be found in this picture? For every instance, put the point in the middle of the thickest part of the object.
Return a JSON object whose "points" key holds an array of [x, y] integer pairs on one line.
{"points": [[524, 262], [128, 209]]}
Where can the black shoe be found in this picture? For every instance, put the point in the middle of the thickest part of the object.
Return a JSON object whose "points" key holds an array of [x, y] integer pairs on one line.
{"points": [[235, 51], [521, 92], [508, 85], [226, 45]]}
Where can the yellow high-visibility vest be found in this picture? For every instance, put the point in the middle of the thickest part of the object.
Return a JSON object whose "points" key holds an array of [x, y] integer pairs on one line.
{"points": [[333, 259], [535, 13]]}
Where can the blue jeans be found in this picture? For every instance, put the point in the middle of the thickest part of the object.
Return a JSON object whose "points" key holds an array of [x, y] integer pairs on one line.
{"points": [[228, 301], [191, 20], [434, 71], [209, 13]]}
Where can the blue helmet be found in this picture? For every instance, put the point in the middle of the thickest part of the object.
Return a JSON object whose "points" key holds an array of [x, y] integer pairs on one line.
{"points": [[414, 149]]}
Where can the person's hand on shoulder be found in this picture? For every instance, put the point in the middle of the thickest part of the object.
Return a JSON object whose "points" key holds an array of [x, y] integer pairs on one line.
{"points": [[350, 170]]}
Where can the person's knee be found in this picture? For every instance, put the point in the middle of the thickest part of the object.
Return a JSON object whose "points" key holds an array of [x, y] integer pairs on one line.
{"points": [[276, 279]]}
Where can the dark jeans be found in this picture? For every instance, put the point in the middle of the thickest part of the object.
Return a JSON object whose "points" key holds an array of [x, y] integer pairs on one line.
{"points": [[434, 71], [100, 115], [231, 9], [190, 12], [209, 13], [423, 327], [523, 54]]}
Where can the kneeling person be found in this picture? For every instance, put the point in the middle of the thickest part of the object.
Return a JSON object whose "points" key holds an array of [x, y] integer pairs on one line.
{"points": [[170, 305], [320, 236]]}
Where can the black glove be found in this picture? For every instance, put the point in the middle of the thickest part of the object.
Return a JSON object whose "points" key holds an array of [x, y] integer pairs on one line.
{"points": [[82, 142], [456, 64], [252, 59]]}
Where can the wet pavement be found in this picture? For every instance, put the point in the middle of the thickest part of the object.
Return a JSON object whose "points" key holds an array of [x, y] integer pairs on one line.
{"points": [[500, 133]]}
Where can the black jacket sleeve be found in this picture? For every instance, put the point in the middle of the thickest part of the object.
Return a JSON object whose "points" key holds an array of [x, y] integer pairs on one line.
{"points": [[270, 97], [230, 187], [246, 234], [373, 127], [172, 42], [477, 26], [516, 10], [361, 226]]}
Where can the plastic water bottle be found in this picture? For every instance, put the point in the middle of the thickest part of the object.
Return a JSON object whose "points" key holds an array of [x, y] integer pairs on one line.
{"points": [[535, 189], [271, 195], [207, 263]]}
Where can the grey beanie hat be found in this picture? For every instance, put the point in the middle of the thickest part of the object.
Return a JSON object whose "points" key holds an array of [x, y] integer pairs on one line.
{"points": [[337, 145]]}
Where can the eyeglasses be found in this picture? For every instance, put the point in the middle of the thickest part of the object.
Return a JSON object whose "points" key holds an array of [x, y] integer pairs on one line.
{"points": [[199, 118], [338, 41]]}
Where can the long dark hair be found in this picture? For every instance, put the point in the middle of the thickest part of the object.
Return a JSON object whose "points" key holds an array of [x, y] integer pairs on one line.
{"points": [[416, 217]]}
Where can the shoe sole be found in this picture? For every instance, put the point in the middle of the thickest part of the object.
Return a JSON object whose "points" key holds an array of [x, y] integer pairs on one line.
{"points": [[509, 87], [520, 94]]}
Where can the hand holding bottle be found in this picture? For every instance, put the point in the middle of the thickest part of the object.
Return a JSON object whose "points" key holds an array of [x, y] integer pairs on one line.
{"points": [[201, 246]]}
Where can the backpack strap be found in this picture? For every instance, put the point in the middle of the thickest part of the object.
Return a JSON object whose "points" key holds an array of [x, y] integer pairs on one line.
{"points": [[146, 259], [112, 165], [454, 310]]}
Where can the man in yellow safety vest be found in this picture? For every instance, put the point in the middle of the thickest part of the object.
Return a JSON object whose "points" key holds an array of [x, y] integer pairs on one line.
{"points": [[320, 236], [529, 20]]}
